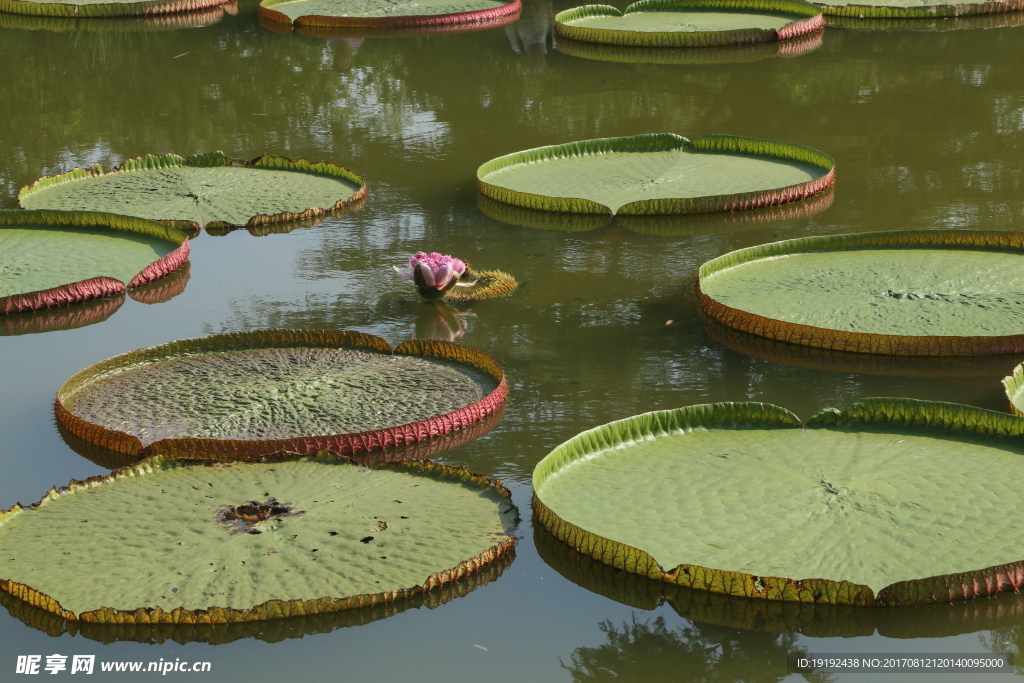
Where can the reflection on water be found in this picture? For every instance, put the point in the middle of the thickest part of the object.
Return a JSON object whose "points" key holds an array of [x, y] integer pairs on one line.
{"points": [[62, 317], [650, 652], [534, 33], [270, 631], [440, 321], [733, 54]]}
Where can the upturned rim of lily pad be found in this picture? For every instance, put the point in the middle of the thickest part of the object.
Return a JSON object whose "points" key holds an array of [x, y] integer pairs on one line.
{"points": [[863, 342], [815, 620], [728, 54], [238, 449], [270, 631], [105, 9], [810, 21], [940, 24], [271, 162], [435, 20], [661, 142], [927, 416], [63, 318], [363, 33], [101, 285], [200, 18], [918, 11], [271, 609]]}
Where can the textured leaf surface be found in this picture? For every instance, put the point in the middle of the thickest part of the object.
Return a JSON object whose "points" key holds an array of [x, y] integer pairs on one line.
{"points": [[202, 189], [271, 390], [149, 537], [846, 510], [930, 292], [662, 173], [377, 13]]}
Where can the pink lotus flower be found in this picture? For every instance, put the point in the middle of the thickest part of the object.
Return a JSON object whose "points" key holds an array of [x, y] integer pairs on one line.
{"points": [[435, 271]]}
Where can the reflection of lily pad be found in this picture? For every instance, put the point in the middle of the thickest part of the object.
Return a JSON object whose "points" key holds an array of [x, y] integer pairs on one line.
{"points": [[815, 358], [817, 620], [203, 190], [854, 507], [541, 220], [732, 54], [912, 9], [962, 23], [155, 22], [415, 450], [104, 8], [56, 258], [690, 23], [274, 631], [913, 292], [165, 289], [62, 318], [250, 393], [276, 538], [657, 174], [370, 13]]}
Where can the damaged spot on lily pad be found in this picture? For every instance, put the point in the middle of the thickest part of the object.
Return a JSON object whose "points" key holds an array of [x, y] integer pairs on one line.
{"points": [[854, 507], [179, 539], [202, 190], [246, 394], [659, 173]]}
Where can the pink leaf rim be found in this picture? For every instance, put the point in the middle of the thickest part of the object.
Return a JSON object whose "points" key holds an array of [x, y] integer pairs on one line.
{"points": [[440, 20], [102, 285]]}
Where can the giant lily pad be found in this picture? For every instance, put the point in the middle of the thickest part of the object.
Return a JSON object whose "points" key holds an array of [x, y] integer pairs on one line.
{"points": [[730, 54], [690, 23], [815, 620], [56, 258], [273, 631], [245, 541], [203, 190], [914, 292], [936, 24], [246, 394], [864, 9], [370, 13], [104, 8], [657, 174], [119, 24], [868, 506]]}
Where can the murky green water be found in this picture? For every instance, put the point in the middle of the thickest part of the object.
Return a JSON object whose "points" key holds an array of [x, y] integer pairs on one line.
{"points": [[927, 129]]}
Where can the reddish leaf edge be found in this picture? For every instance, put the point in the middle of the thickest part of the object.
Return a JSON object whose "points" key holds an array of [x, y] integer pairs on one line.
{"points": [[438, 20], [234, 449], [271, 609], [100, 286]]}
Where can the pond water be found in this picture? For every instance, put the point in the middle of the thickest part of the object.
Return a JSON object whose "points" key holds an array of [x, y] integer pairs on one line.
{"points": [[927, 129]]}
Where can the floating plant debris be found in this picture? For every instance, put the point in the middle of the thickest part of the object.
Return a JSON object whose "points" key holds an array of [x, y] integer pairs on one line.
{"points": [[868, 506], [56, 258], [203, 190], [198, 569], [385, 13], [690, 23], [911, 292], [659, 173], [246, 394]]}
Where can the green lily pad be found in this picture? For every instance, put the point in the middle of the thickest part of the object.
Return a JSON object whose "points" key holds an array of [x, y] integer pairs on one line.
{"points": [[923, 9], [218, 543], [203, 190], [690, 23], [937, 24], [273, 631], [728, 54], [657, 174], [246, 394], [132, 24], [815, 620], [370, 13], [55, 258], [915, 292], [855, 507], [104, 8]]}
